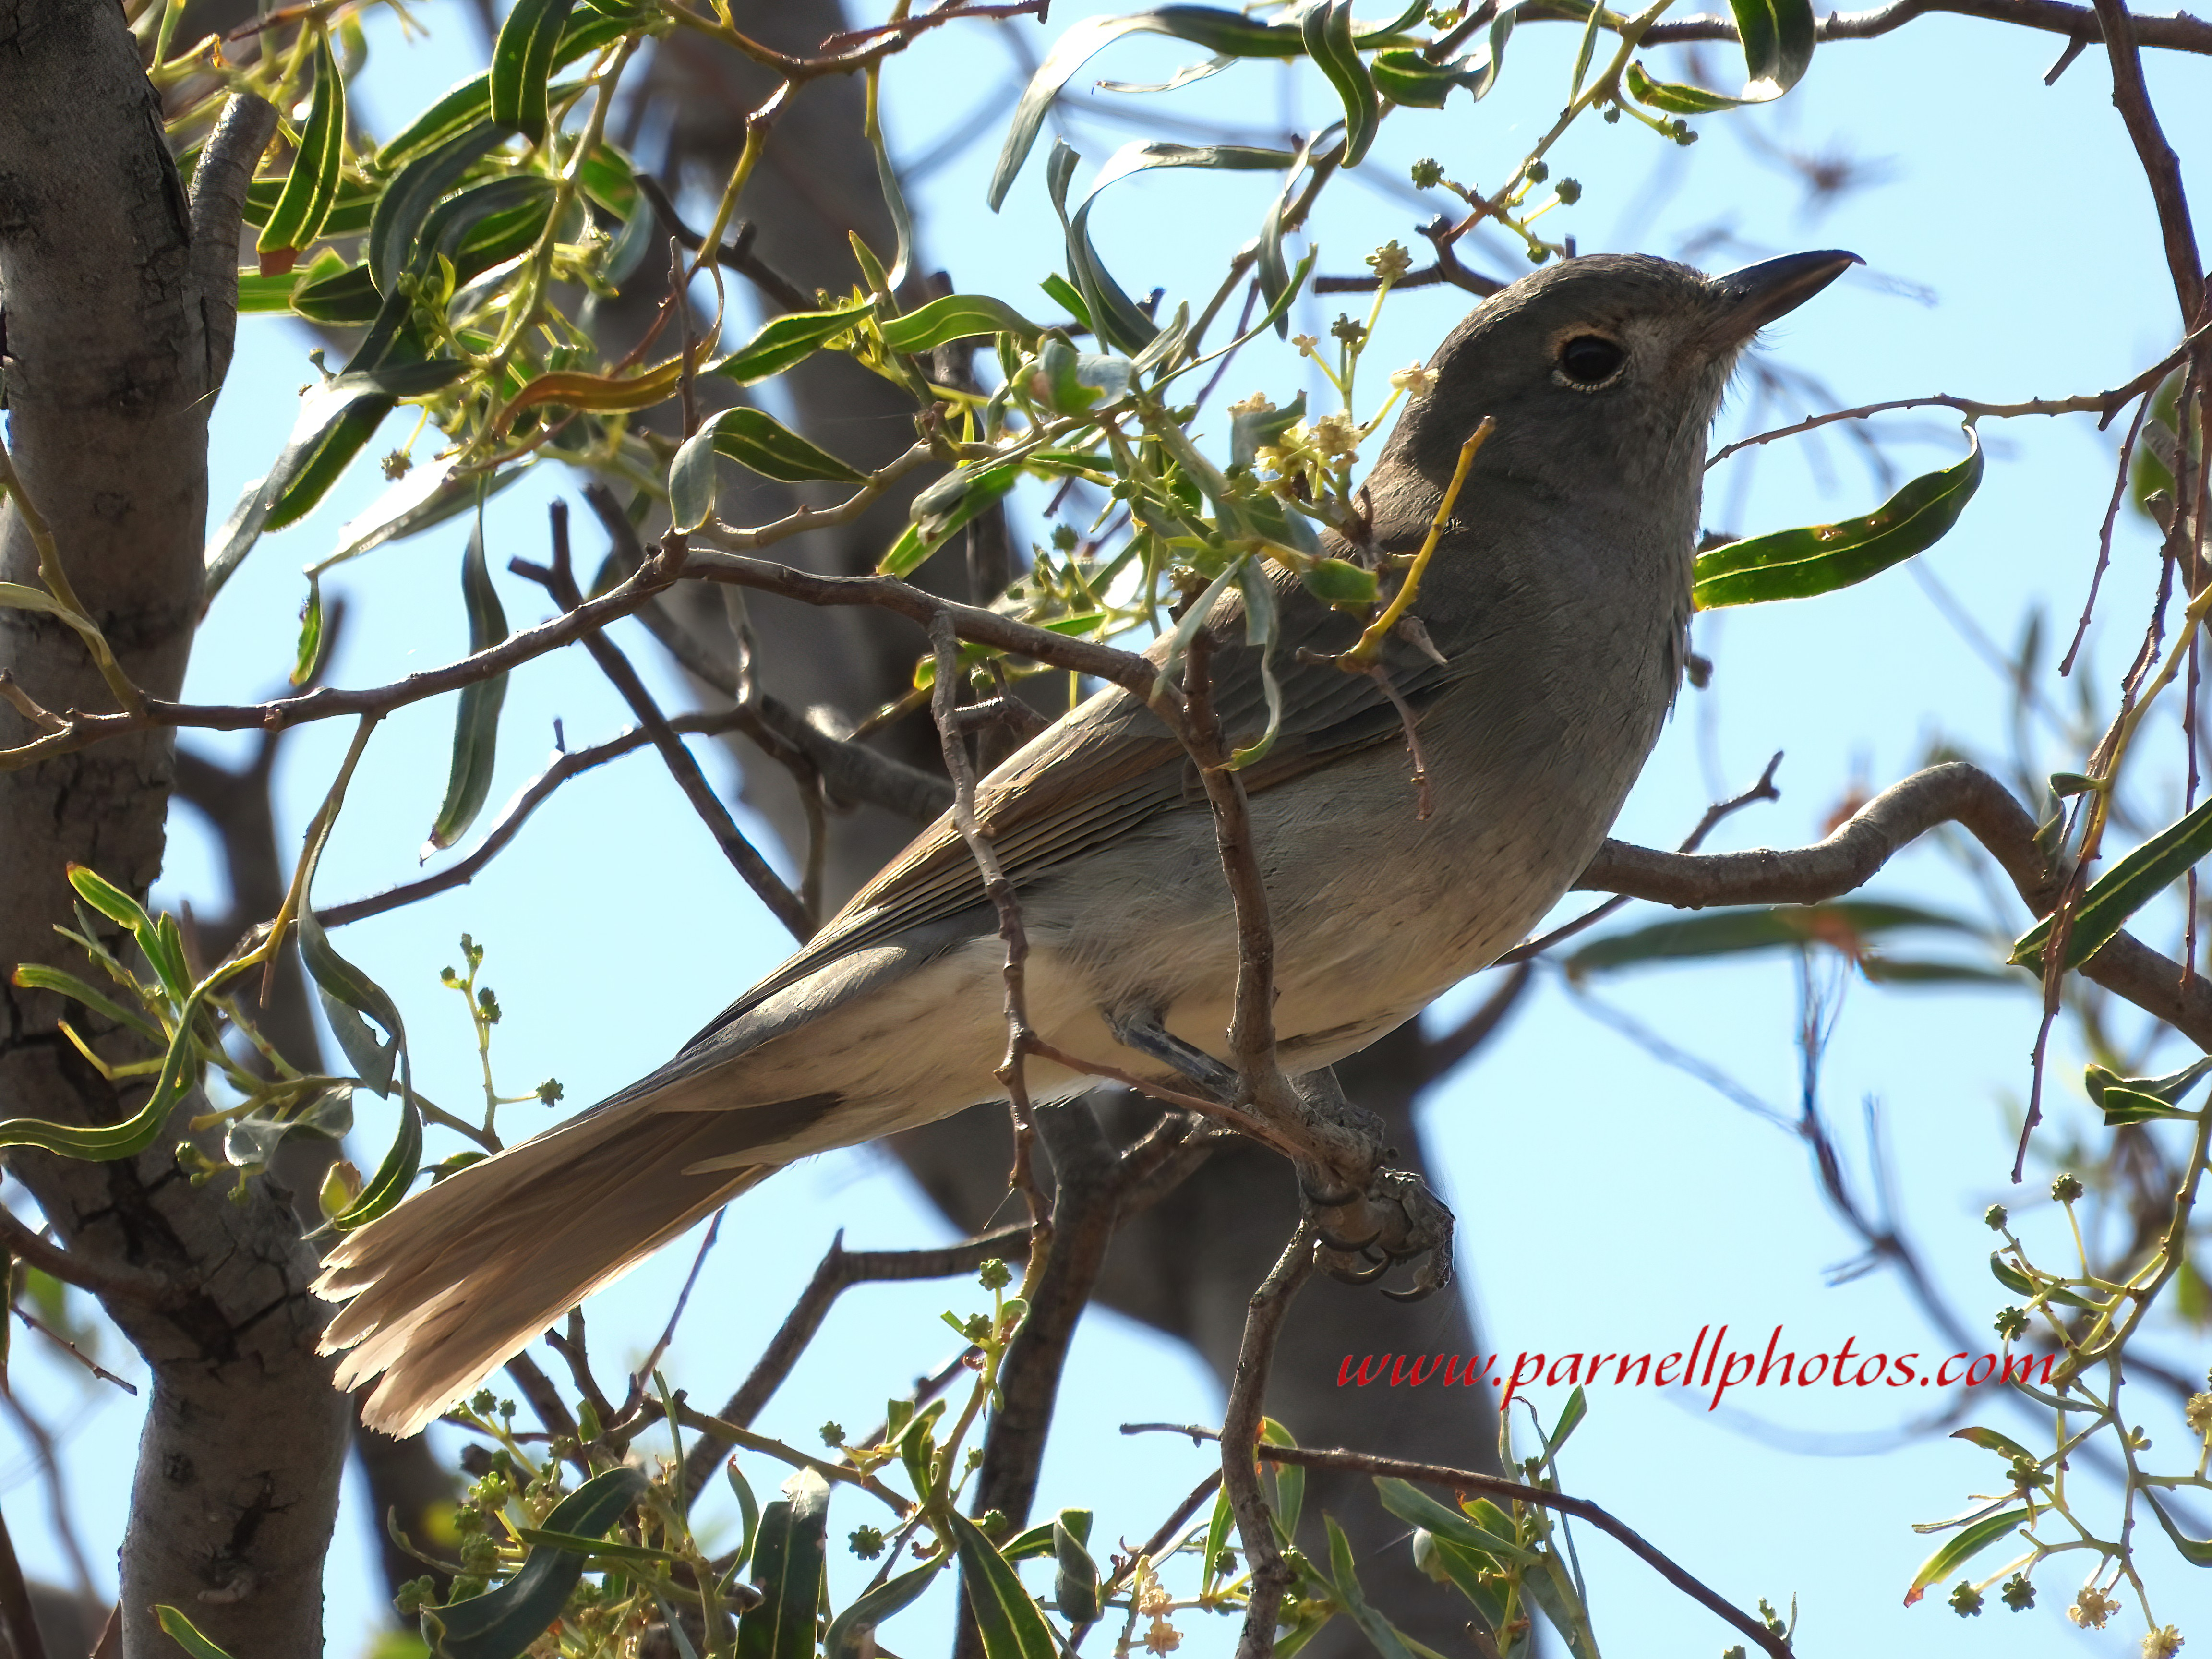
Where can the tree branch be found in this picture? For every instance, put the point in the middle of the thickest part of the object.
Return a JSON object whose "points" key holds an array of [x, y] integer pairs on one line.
{"points": [[2178, 32], [2162, 167], [218, 198], [1240, 1437], [1955, 792], [104, 1279]]}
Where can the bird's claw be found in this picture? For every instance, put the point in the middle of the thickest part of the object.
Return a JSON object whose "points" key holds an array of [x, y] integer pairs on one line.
{"points": [[1365, 1234]]}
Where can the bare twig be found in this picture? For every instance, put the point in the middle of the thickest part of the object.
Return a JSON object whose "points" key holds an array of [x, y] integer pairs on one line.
{"points": [[839, 1271], [105, 1280], [1240, 1438], [642, 1377], [218, 198], [2177, 32], [561, 582], [19, 1621], [2123, 33]]}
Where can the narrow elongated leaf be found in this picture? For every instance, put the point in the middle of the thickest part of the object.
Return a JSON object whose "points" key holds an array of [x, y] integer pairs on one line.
{"points": [[522, 62], [1991, 1440], [691, 482], [312, 187], [334, 420], [1777, 37], [788, 1557], [346, 296], [1114, 315], [1326, 30], [349, 215], [476, 722], [957, 498], [1230, 33], [849, 1634], [957, 317], [34, 977], [1404, 76], [2020, 1285], [485, 225], [309, 655], [2134, 881], [2198, 1552], [502, 1622], [1076, 1590], [1012, 1625], [1463, 1571], [756, 438], [425, 498], [1957, 1552], [1797, 564], [1409, 1503], [181, 1630], [1344, 1574], [407, 202], [602, 393], [788, 341], [1848, 925]]}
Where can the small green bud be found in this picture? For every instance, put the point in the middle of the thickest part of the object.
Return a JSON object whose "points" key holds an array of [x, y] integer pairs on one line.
{"points": [[551, 1090], [2066, 1188], [1612, 115], [1352, 334], [447, 976], [2011, 1322], [1966, 1601], [1224, 1565], [416, 1595], [1996, 1215], [833, 1434], [868, 1542], [1570, 191], [977, 1327], [2018, 1593], [1064, 537], [1428, 173], [1538, 253], [2025, 1475], [993, 1524], [488, 1006], [482, 1402], [994, 1275], [1538, 172], [1443, 17]]}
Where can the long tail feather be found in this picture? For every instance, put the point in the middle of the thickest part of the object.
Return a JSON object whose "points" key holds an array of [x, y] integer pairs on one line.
{"points": [[447, 1286]]}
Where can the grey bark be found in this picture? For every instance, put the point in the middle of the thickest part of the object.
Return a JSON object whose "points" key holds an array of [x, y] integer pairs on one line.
{"points": [[115, 346]]}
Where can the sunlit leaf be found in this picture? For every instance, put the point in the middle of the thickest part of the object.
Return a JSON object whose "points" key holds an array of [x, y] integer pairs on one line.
{"points": [[522, 61], [312, 187], [785, 342], [1848, 925], [1012, 1625], [788, 1558], [476, 721], [2134, 880], [956, 317], [1957, 1552], [181, 1630], [1797, 564], [502, 1622], [850, 1632], [1326, 30], [1777, 39]]}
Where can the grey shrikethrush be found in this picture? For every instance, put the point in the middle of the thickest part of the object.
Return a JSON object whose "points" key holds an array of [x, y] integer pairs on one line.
{"points": [[1558, 602]]}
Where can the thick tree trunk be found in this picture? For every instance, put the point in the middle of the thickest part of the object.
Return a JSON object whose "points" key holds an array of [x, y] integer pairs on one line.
{"points": [[115, 346]]}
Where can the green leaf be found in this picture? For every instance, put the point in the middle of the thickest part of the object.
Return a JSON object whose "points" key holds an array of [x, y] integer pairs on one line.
{"points": [[1405, 75], [1012, 1625], [407, 202], [1991, 1440], [476, 722], [181, 1630], [1290, 1481], [1958, 1551], [1409, 1503], [2139, 1099], [2197, 1551], [522, 63], [1847, 924], [1326, 30], [313, 186], [2132, 882], [336, 419], [1216, 1535], [1777, 39], [1057, 287], [1372, 1624], [756, 438], [944, 509], [1797, 564], [691, 482], [788, 341], [34, 976], [502, 1622], [1076, 1590], [788, 1558], [957, 317], [1115, 318], [847, 1637], [347, 994], [346, 296], [748, 1512], [308, 655], [2020, 1285]]}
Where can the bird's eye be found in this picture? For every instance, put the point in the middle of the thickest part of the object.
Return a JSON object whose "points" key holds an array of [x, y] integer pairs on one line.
{"points": [[1590, 360]]}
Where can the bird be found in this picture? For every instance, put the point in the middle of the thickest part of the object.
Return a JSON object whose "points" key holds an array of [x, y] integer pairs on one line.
{"points": [[1553, 630]]}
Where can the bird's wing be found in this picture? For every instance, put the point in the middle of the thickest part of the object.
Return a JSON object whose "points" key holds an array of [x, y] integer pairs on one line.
{"points": [[1111, 763]]}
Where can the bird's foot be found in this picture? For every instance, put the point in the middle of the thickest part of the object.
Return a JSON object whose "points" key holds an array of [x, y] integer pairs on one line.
{"points": [[1365, 1233]]}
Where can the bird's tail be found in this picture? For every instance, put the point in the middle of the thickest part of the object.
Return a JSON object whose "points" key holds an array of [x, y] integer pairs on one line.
{"points": [[451, 1284]]}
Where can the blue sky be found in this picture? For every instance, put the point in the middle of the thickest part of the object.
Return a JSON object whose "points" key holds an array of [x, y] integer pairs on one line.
{"points": [[1606, 1199]]}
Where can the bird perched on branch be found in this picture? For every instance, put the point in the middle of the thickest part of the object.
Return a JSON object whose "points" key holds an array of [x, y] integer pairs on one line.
{"points": [[1553, 624]]}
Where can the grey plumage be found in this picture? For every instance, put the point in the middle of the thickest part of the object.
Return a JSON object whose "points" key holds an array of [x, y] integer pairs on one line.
{"points": [[1558, 601]]}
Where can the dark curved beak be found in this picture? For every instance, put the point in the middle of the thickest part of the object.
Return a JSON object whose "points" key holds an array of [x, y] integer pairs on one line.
{"points": [[1759, 293]]}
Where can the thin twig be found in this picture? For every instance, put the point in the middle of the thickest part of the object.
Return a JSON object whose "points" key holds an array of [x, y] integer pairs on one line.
{"points": [[115, 1280], [642, 1377], [561, 582], [1240, 1436]]}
